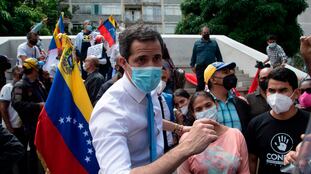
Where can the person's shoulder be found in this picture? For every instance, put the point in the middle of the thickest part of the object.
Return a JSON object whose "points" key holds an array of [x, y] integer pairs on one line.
{"points": [[261, 118], [304, 114], [198, 41], [5, 92], [22, 45], [7, 86]]}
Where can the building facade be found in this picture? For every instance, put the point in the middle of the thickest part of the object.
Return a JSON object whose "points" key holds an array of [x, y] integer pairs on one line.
{"points": [[304, 19], [162, 15]]}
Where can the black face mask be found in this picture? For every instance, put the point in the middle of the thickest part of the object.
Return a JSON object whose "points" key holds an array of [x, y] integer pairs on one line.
{"points": [[263, 85], [205, 36], [230, 82], [33, 42]]}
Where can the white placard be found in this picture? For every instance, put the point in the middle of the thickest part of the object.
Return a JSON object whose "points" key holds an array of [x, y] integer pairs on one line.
{"points": [[95, 50]]}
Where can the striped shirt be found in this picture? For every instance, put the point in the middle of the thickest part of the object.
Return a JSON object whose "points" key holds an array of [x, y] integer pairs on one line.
{"points": [[227, 114]]}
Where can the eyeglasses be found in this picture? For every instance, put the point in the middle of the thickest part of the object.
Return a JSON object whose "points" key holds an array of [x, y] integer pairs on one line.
{"points": [[308, 90]]}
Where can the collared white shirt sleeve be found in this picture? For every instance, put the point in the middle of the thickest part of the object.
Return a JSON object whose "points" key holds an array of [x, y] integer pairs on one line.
{"points": [[119, 129]]}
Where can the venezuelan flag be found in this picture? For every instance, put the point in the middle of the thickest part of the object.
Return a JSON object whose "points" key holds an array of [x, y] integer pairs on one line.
{"points": [[62, 137], [55, 45], [108, 30]]}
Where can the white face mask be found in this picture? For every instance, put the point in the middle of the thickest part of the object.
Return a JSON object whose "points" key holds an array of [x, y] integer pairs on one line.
{"points": [[279, 103], [210, 113], [161, 87], [184, 110]]}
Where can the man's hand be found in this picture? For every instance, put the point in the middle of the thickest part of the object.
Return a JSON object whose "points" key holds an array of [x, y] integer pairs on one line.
{"points": [[200, 136], [45, 20], [193, 69], [291, 157], [179, 117]]}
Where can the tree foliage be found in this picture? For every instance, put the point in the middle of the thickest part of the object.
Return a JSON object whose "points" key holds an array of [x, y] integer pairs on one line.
{"points": [[247, 21], [18, 16]]}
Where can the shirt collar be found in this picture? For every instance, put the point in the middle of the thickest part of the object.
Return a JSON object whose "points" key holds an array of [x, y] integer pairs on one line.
{"points": [[230, 96], [132, 90]]}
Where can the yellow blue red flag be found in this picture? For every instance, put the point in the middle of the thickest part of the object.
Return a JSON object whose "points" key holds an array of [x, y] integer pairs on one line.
{"points": [[62, 137]]}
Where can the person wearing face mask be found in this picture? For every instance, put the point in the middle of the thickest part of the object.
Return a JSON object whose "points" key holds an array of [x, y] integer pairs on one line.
{"points": [[28, 98], [275, 52], [205, 51], [83, 41], [232, 110], [257, 101], [94, 79], [227, 155], [181, 101], [305, 97], [271, 135], [166, 105], [126, 123], [29, 49]]}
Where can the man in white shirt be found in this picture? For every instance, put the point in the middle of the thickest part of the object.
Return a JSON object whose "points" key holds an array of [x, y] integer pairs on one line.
{"points": [[28, 49], [119, 123], [10, 118]]}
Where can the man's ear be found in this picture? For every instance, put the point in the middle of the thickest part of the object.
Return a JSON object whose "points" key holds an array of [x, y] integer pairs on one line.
{"points": [[297, 93], [122, 62]]}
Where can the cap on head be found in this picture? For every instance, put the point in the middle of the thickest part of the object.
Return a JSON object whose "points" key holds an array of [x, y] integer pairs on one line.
{"points": [[31, 63], [216, 66]]}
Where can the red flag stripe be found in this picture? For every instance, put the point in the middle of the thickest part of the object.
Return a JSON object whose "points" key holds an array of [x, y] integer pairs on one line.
{"points": [[52, 139]]}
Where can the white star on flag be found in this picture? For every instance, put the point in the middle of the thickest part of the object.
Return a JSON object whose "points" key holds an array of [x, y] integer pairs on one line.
{"points": [[85, 133], [74, 121], [80, 126], [90, 151], [68, 119], [61, 120], [87, 159], [88, 142]]}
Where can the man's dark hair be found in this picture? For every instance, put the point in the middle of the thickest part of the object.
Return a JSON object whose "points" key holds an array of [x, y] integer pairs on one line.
{"points": [[272, 37], [284, 75], [140, 33], [31, 34], [181, 93]]}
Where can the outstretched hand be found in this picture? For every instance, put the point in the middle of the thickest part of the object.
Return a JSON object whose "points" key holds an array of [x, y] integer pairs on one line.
{"points": [[201, 134]]}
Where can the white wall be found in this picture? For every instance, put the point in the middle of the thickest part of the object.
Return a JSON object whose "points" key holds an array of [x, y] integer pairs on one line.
{"points": [[180, 49]]}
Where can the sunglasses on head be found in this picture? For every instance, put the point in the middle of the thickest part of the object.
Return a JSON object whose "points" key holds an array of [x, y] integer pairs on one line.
{"points": [[308, 90]]}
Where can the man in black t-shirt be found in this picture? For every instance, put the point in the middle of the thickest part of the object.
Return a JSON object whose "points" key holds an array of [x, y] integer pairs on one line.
{"points": [[271, 135]]}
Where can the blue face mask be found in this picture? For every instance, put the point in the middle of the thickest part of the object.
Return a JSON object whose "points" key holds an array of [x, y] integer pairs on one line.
{"points": [[146, 79]]}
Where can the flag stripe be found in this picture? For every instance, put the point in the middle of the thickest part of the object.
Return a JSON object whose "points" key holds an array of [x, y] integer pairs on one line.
{"points": [[78, 91], [78, 139], [111, 29], [59, 28], [49, 139], [106, 34]]}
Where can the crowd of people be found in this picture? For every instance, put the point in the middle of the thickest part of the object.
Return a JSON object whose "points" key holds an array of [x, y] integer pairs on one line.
{"points": [[143, 121]]}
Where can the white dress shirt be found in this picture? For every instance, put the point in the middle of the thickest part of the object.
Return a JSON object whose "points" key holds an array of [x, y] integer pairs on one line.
{"points": [[119, 128]]}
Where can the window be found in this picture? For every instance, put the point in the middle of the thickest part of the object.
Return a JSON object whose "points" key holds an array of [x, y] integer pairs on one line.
{"points": [[152, 14], [170, 29], [111, 9], [153, 1], [132, 15], [96, 9], [172, 10], [84, 9]]}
